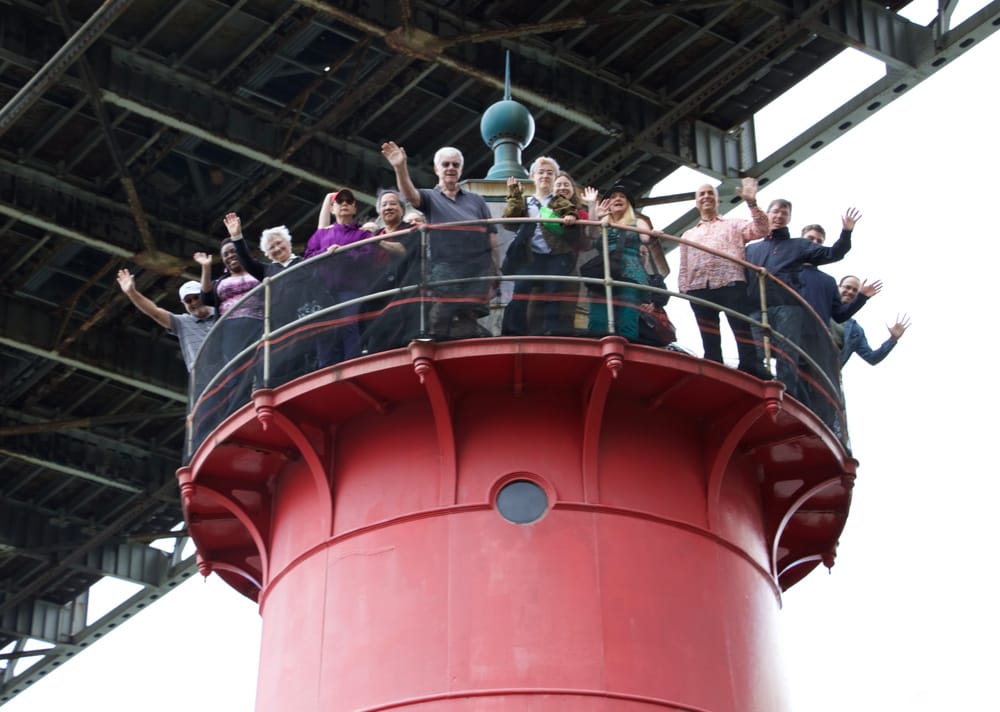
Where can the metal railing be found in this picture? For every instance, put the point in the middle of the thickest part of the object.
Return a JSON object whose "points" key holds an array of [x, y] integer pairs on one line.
{"points": [[445, 284]]}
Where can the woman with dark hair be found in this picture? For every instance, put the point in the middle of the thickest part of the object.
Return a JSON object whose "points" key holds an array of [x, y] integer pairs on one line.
{"points": [[582, 201], [240, 323]]}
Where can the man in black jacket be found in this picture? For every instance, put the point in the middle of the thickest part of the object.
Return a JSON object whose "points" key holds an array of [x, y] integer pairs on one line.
{"points": [[783, 257]]}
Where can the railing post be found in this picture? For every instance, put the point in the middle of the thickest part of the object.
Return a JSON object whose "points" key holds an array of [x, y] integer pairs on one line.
{"points": [[423, 281], [267, 332], [762, 283], [608, 295]]}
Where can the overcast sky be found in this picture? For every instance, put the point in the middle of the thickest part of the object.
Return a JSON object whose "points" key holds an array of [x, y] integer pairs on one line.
{"points": [[907, 619]]}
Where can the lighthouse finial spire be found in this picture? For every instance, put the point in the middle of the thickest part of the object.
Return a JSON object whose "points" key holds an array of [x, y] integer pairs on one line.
{"points": [[506, 78]]}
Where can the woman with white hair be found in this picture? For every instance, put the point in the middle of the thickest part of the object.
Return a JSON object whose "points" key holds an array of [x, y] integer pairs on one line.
{"points": [[288, 301], [275, 242]]}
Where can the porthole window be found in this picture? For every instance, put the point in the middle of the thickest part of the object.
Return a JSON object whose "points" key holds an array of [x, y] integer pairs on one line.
{"points": [[522, 502]]}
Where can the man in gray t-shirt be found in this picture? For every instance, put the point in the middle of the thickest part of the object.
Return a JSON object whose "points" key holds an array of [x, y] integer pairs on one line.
{"points": [[190, 328], [468, 252]]}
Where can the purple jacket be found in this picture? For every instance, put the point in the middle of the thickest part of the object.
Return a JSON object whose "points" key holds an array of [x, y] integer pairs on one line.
{"points": [[348, 270]]}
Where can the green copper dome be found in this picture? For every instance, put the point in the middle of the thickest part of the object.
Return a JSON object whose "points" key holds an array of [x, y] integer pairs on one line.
{"points": [[507, 119]]}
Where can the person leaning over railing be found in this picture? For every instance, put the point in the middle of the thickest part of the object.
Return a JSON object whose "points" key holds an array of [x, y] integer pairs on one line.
{"points": [[715, 279], [347, 276], [455, 253], [539, 248]]}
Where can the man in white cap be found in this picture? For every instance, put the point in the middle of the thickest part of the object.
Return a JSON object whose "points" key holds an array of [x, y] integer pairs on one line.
{"points": [[190, 328]]}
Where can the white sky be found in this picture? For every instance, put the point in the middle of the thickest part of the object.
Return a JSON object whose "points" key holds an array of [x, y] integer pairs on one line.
{"points": [[907, 620]]}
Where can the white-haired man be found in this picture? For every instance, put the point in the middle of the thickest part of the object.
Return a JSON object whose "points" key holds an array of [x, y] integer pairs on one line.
{"points": [[464, 252]]}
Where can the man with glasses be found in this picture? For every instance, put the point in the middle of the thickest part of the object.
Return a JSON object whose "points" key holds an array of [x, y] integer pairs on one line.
{"points": [[462, 252], [190, 328]]}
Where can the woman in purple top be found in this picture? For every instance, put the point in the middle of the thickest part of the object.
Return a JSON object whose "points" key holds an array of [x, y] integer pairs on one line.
{"points": [[346, 275]]}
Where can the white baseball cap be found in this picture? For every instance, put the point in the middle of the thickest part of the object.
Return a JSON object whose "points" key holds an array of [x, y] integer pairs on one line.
{"points": [[189, 288]]}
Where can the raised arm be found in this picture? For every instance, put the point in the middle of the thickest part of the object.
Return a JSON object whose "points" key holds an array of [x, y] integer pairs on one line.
{"points": [[590, 198], [842, 312], [759, 226], [324, 211], [143, 303], [396, 155], [205, 260], [235, 229]]}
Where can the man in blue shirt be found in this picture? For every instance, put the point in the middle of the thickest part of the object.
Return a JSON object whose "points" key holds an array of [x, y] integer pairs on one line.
{"points": [[854, 339]]}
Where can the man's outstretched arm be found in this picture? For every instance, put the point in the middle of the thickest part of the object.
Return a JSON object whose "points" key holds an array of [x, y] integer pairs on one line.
{"points": [[143, 303]]}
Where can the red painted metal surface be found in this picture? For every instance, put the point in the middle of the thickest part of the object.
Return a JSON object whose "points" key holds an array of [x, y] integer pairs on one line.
{"points": [[358, 506]]}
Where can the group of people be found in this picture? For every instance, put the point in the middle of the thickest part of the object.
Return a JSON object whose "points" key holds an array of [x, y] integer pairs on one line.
{"points": [[463, 264], [804, 307]]}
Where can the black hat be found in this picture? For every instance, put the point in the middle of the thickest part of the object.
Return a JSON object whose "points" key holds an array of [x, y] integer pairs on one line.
{"points": [[620, 188]]}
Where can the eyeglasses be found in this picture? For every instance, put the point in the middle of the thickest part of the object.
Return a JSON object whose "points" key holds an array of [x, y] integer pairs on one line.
{"points": [[451, 164]]}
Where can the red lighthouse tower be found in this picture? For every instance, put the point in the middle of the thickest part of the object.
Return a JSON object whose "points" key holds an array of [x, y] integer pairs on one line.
{"points": [[510, 524], [519, 524]]}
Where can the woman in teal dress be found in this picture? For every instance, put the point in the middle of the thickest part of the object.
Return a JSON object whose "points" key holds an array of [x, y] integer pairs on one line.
{"points": [[617, 206]]}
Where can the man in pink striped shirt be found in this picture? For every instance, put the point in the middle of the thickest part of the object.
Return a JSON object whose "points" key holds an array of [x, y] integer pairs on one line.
{"points": [[712, 278]]}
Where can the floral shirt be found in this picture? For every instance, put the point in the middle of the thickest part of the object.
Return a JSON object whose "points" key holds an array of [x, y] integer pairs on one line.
{"points": [[703, 270]]}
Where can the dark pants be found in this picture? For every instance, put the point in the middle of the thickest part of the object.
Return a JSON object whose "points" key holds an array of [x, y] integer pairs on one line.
{"points": [[515, 316], [342, 342], [456, 307], [732, 296], [823, 398], [786, 320]]}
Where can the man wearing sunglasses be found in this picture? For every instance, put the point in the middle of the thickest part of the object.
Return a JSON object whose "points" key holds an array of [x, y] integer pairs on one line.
{"points": [[467, 252]]}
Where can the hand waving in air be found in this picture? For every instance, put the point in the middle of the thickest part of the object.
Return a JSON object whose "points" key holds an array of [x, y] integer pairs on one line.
{"points": [[233, 224], [395, 154], [870, 289], [897, 330], [850, 218]]}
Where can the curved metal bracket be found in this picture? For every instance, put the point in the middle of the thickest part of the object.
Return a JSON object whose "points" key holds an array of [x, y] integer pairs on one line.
{"points": [[613, 354], [422, 353], [267, 412]]}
